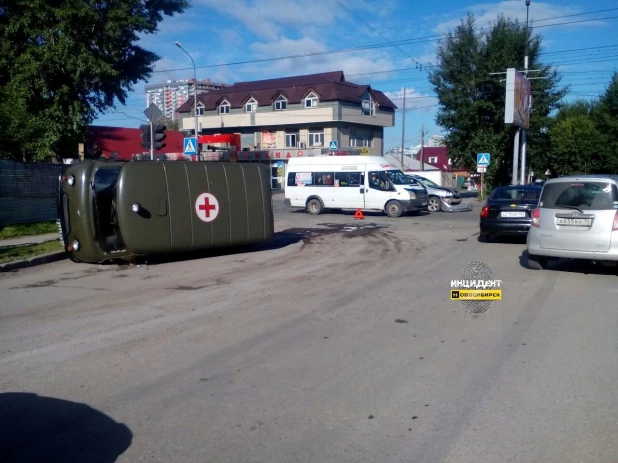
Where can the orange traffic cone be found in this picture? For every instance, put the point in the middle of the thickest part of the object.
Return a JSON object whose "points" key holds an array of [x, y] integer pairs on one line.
{"points": [[358, 215]]}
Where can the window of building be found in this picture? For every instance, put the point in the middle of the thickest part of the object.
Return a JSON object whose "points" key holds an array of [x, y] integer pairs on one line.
{"points": [[361, 137], [224, 108], [311, 100], [251, 106], [200, 110], [316, 137], [433, 160], [281, 104], [291, 139], [368, 105]]}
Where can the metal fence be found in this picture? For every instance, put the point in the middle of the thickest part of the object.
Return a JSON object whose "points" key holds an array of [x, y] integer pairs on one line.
{"points": [[28, 192]]}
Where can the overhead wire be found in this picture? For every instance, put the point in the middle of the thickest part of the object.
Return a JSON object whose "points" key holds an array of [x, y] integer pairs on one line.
{"points": [[373, 46]]}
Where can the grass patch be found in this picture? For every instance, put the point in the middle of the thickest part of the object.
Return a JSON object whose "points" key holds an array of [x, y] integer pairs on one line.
{"points": [[41, 228], [12, 253]]}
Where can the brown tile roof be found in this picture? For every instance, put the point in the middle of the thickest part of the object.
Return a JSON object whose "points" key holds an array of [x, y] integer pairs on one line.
{"points": [[329, 86]]}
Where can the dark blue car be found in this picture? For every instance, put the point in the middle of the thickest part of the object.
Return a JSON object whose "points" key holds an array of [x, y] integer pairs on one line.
{"points": [[508, 210]]}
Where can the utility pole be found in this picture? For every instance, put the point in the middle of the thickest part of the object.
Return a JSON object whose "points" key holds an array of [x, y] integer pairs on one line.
{"points": [[403, 129], [515, 174], [151, 142], [524, 132], [422, 147], [178, 44]]}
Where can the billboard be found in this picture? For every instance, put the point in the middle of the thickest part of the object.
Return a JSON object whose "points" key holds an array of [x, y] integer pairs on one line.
{"points": [[517, 104]]}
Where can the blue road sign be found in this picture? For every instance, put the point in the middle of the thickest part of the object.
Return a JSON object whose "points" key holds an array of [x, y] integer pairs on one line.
{"points": [[482, 159], [190, 146], [333, 145]]}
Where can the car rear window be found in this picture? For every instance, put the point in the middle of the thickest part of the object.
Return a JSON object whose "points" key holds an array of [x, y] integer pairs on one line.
{"points": [[516, 194], [581, 194]]}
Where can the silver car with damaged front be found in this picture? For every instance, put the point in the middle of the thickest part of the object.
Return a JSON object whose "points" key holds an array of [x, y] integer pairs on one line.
{"points": [[577, 218], [440, 198]]}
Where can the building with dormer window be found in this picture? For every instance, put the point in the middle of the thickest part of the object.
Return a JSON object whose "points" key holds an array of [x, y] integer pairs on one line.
{"points": [[295, 113]]}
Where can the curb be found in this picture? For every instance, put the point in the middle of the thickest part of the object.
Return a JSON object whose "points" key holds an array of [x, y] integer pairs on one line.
{"points": [[33, 261]]}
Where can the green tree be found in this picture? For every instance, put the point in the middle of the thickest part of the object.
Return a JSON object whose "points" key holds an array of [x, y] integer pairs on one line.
{"points": [[62, 62], [172, 124], [579, 107], [606, 119], [472, 101], [577, 146]]}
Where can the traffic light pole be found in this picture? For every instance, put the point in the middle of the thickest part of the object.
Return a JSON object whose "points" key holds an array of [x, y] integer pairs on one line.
{"points": [[151, 142], [524, 131]]}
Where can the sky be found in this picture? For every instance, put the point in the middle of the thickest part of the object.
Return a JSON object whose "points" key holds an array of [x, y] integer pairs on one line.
{"points": [[396, 36]]}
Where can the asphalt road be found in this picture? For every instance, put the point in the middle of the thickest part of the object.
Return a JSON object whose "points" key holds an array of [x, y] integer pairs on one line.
{"points": [[335, 343]]}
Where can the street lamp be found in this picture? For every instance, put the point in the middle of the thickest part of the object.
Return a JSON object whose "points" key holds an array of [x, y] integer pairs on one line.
{"points": [[194, 87]]}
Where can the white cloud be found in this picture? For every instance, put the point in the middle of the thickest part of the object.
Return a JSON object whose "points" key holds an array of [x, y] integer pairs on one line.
{"points": [[414, 100], [269, 18], [272, 18], [164, 70], [350, 63], [486, 13]]}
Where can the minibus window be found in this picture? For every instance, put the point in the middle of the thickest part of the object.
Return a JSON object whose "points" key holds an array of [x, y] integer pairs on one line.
{"points": [[379, 181], [105, 203], [348, 179], [398, 177]]}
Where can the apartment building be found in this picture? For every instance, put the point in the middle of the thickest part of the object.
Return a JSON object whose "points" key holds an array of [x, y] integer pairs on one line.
{"points": [[295, 114], [169, 96]]}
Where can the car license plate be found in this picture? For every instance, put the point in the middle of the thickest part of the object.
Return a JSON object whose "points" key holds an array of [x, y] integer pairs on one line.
{"points": [[513, 214], [574, 222], [423, 204]]}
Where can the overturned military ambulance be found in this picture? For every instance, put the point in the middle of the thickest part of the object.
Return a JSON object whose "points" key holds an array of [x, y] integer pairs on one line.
{"points": [[121, 210]]}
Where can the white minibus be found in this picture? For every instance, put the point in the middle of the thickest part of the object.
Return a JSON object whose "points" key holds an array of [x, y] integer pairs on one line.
{"points": [[368, 183]]}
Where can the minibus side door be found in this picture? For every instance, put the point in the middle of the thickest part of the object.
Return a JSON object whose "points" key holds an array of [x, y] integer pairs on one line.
{"points": [[376, 190], [349, 190]]}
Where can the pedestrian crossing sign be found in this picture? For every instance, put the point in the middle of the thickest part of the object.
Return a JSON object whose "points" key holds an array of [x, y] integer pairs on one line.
{"points": [[333, 145], [190, 146], [482, 159]]}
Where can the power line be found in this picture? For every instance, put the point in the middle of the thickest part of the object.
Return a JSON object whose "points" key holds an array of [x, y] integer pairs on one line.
{"points": [[370, 27], [369, 47], [576, 14], [578, 49]]}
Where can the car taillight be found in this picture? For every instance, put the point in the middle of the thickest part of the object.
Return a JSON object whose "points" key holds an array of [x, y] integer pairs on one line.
{"points": [[484, 212], [536, 217], [615, 227]]}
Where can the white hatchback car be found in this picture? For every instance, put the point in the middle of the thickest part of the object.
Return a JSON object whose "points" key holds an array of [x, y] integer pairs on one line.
{"points": [[577, 218]]}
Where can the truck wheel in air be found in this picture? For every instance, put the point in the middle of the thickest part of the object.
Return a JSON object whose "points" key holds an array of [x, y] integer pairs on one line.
{"points": [[314, 206], [394, 209]]}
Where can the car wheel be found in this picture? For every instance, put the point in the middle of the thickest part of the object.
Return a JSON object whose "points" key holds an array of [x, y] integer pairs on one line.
{"points": [[394, 209], [314, 207], [434, 204], [537, 262]]}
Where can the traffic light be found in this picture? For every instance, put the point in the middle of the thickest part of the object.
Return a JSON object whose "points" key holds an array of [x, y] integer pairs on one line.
{"points": [[159, 136], [145, 136]]}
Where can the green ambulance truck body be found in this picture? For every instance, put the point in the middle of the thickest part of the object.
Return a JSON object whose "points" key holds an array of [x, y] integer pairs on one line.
{"points": [[120, 210]]}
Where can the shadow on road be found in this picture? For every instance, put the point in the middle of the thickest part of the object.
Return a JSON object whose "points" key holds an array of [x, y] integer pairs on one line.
{"points": [[44, 429], [582, 267], [280, 240], [503, 239]]}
